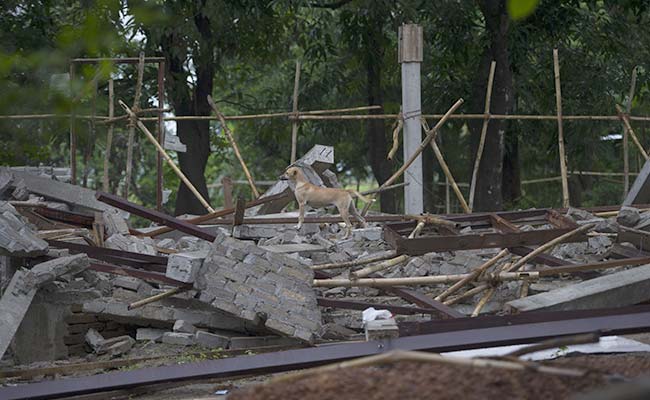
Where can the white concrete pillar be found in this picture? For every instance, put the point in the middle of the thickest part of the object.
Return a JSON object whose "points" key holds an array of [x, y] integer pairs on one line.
{"points": [[410, 56]]}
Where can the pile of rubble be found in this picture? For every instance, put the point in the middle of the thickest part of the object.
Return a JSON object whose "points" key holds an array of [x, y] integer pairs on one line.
{"points": [[77, 280]]}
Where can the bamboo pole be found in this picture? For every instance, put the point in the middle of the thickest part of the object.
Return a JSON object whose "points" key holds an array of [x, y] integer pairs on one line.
{"points": [[548, 245], [430, 136], [235, 147], [447, 171], [131, 137], [162, 151], [160, 296], [472, 275], [486, 297], [470, 293], [397, 127], [629, 129], [109, 137], [560, 138], [294, 105], [422, 280], [626, 159], [353, 263], [481, 143]]}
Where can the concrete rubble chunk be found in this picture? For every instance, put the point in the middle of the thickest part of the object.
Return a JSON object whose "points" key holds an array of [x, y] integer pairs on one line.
{"points": [[119, 347], [628, 216], [259, 286], [373, 234], [179, 339], [131, 243], [184, 327], [211, 340], [313, 164], [381, 329], [149, 334], [330, 179], [6, 179], [22, 288], [17, 237], [115, 223], [173, 142], [185, 266], [614, 290], [127, 282], [579, 215], [94, 339]]}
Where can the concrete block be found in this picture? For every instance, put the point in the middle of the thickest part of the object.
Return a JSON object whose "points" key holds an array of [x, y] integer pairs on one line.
{"points": [[381, 329], [177, 338], [93, 338], [127, 282], [211, 340], [185, 266], [614, 290], [149, 334], [131, 243], [184, 327], [372, 234]]}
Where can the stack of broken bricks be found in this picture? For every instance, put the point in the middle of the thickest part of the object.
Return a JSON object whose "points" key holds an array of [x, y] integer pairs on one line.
{"points": [[245, 277]]}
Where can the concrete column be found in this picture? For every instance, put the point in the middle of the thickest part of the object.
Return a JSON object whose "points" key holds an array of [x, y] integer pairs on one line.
{"points": [[410, 57]]}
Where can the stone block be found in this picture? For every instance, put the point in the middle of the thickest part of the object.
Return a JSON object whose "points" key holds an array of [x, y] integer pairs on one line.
{"points": [[381, 329], [185, 266], [94, 339], [184, 327], [179, 339], [211, 340], [149, 334]]}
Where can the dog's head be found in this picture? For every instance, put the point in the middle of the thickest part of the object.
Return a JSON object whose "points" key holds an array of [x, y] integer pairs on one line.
{"points": [[292, 174]]}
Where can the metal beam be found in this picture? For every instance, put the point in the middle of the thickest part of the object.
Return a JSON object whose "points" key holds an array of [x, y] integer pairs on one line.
{"points": [[304, 358], [362, 305]]}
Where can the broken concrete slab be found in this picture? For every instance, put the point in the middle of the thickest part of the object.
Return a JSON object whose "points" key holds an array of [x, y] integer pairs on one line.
{"points": [[185, 266], [628, 216], [23, 287], [373, 234], [293, 248], [131, 243], [184, 327], [6, 179], [80, 199], [261, 287], [149, 334], [17, 238], [179, 339], [127, 282], [114, 222], [248, 342], [615, 290], [173, 142], [313, 164], [211, 340], [94, 339]]}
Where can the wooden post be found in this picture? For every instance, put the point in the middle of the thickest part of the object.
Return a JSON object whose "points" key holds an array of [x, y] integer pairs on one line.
{"points": [[235, 148], [109, 137], [447, 172], [170, 162], [481, 144], [410, 56], [136, 108], [430, 135], [295, 123], [73, 132], [226, 183], [626, 156], [558, 102], [628, 127]]}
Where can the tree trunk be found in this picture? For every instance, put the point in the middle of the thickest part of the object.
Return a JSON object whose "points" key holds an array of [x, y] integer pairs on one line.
{"points": [[375, 128], [489, 184]]}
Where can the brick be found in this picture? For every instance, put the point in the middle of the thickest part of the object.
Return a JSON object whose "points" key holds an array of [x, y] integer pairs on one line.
{"points": [[185, 266]]}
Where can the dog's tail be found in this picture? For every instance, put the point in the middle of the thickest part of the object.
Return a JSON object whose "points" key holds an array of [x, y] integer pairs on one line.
{"points": [[360, 196]]}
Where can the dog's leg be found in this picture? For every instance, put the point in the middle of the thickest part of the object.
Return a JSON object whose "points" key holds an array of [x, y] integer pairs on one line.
{"points": [[343, 210], [301, 214], [358, 216]]}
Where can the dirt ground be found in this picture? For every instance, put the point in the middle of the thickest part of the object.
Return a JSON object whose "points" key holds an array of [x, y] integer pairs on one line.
{"points": [[412, 380]]}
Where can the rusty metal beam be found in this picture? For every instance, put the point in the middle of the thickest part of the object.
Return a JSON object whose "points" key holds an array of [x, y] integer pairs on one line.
{"points": [[362, 305], [302, 358]]}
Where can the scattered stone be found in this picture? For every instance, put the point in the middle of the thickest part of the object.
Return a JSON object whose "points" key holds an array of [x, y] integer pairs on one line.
{"points": [[167, 243], [608, 225], [127, 282], [211, 340], [185, 266], [6, 179], [177, 338], [131, 243], [149, 334], [184, 327], [372, 234], [94, 339], [120, 347], [381, 329], [20, 190], [579, 215], [600, 244], [628, 216]]}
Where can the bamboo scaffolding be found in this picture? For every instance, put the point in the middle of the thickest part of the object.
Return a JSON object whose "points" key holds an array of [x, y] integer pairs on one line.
{"points": [[447, 171], [560, 138], [423, 280], [470, 293], [158, 297], [430, 136], [473, 275], [397, 127], [548, 245], [481, 144], [484, 300], [235, 147], [626, 159], [295, 124], [131, 137], [162, 151], [109, 136], [628, 128]]}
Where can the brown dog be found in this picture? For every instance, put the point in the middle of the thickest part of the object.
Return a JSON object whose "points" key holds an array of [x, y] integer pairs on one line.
{"points": [[316, 196]]}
